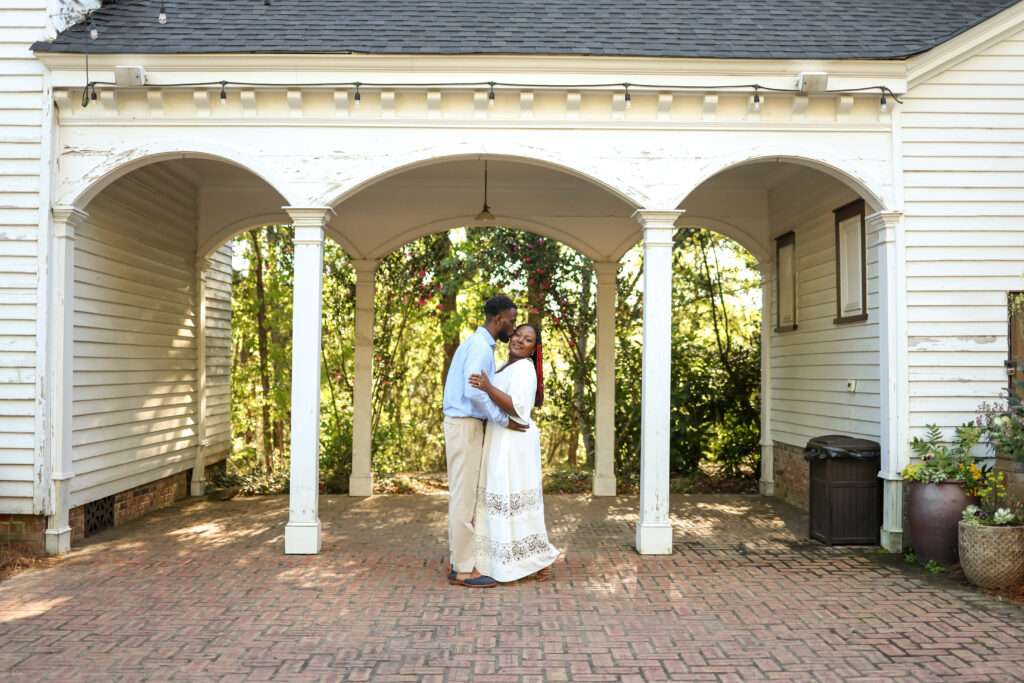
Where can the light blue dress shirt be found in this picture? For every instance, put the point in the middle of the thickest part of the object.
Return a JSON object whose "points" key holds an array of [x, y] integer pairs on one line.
{"points": [[476, 353]]}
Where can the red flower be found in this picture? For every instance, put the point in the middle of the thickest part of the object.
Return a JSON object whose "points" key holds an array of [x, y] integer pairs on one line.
{"points": [[531, 281], [540, 271], [405, 299], [527, 259], [440, 307], [572, 342], [533, 310]]}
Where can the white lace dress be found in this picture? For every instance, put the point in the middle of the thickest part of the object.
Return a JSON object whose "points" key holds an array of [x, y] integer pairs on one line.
{"points": [[511, 538]]}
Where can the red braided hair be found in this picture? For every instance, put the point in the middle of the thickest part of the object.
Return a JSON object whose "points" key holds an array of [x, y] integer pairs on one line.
{"points": [[538, 364]]}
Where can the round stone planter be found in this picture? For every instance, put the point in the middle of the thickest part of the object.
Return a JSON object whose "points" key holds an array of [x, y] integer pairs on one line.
{"points": [[992, 556], [933, 513]]}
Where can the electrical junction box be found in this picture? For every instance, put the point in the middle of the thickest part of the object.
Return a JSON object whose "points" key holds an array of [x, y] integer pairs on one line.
{"points": [[130, 76]]}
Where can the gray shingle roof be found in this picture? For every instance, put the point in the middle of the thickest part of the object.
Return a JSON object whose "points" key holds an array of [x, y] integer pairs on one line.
{"points": [[773, 29]]}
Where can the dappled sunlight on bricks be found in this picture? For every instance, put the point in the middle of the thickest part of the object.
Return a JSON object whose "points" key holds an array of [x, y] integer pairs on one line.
{"points": [[202, 590]]}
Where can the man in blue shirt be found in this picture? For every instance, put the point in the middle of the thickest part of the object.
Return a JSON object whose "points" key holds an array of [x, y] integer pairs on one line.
{"points": [[466, 409]]}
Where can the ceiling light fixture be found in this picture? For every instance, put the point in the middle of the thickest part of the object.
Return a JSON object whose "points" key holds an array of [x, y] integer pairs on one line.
{"points": [[485, 216]]}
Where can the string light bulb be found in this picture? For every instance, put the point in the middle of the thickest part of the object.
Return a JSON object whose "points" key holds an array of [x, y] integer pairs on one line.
{"points": [[357, 97], [490, 95], [883, 104], [629, 100], [757, 100], [93, 32], [163, 13], [223, 93], [92, 93]]}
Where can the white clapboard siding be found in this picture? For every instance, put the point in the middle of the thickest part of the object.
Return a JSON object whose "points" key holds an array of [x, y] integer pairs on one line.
{"points": [[218, 355], [963, 165], [811, 365], [21, 149], [136, 351]]}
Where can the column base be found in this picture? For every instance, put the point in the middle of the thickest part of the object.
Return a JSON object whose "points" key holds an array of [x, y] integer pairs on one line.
{"points": [[302, 538], [766, 488], [892, 513], [604, 485], [654, 538], [892, 540], [198, 487], [360, 485], [58, 541]]}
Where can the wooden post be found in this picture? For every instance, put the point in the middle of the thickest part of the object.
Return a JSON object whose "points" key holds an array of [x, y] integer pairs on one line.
{"points": [[62, 329], [302, 533], [885, 227], [654, 530], [604, 418], [767, 484], [360, 483]]}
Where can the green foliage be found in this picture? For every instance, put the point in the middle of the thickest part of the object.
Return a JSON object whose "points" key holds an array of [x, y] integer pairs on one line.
{"points": [[940, 462], [995, 507], [910, 557], [935, 568], [428, 297], [716, 359]]}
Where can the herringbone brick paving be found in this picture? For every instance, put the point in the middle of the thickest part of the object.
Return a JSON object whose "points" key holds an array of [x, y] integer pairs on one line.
{"points": [[202, 591]]}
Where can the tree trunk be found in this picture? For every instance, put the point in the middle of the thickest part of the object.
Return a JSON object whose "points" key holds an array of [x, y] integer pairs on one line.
{"points": [[261, 329], [451, 343]]}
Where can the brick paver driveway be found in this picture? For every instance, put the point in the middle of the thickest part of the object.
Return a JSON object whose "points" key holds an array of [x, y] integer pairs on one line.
{"points": [[202, 590]]}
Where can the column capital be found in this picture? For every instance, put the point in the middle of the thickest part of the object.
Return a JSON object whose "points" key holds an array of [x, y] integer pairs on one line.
{"points": [[648, 218], [365, 266], [309, 216], [66, 220], [606, 268], [883, 225]]}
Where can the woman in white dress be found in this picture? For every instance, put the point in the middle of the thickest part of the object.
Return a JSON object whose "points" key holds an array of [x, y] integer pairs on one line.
{"points": [[511, 537]]}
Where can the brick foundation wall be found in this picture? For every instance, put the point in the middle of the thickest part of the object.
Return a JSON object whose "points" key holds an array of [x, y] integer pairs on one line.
{"points": [[136, 502], [28, 532], [792, 475], [25, 532], [77, 519]]}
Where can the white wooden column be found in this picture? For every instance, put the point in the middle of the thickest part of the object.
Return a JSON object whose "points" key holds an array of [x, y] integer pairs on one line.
{"points": [[360, 483], [654, 530], [767, 483], [604, 417], [886, 236], [199, 466], [62, 333], [302, 533]]}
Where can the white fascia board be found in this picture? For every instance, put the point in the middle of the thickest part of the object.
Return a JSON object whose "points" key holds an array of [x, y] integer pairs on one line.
{"points": [[300, 69], [924, 66]]}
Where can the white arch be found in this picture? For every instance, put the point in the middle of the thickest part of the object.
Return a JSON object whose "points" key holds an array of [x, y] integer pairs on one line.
{"points": [[871, 189], [119, 162], [743, 237], [515, 222], [373, 173], [221, 236]]}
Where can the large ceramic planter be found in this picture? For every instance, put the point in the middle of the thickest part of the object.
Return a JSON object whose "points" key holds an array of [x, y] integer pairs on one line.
{"points": [[933, 513], [992, 556]]}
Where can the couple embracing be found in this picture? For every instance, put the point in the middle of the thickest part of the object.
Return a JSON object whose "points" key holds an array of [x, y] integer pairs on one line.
{"points": [[496, 530]]}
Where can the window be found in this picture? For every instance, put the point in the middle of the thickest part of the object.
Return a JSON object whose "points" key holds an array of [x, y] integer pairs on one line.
{"points": [[851, 266], [785, 259]]}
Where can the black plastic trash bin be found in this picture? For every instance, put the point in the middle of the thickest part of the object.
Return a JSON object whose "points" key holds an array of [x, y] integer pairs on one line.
{"points": [[845, 491]]}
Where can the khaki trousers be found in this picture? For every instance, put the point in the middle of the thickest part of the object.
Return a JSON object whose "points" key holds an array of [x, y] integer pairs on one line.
{"points": [[464, 445]]}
